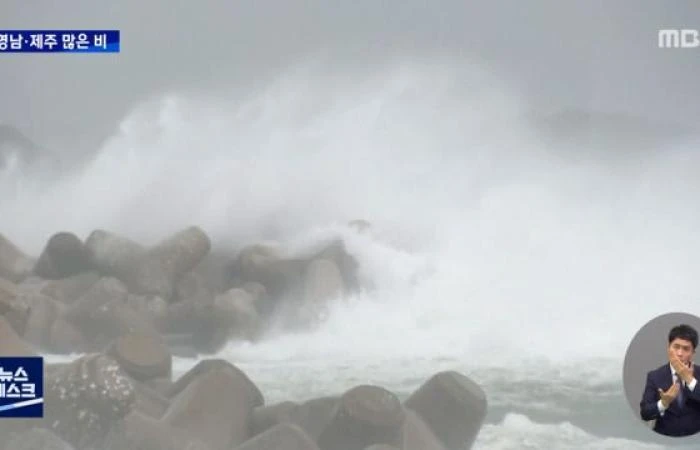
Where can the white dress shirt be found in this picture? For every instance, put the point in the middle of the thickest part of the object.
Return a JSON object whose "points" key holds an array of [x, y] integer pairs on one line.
{"points": [[691, 386]]}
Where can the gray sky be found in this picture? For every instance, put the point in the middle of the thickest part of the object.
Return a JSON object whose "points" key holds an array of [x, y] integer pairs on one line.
{"points": [[592, 53]]}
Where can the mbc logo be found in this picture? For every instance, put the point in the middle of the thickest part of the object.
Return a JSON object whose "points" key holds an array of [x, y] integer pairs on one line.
{"points": [[679, 38]]}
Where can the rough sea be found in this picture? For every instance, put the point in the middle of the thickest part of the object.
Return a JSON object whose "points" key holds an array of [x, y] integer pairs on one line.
{"points": [[524, 262]]}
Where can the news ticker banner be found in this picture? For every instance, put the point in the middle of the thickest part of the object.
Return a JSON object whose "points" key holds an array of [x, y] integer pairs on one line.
{"points": [[21, 387], [59, 41]]}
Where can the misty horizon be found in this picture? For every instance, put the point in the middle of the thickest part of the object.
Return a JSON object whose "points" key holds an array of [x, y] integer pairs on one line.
{"points": [[527, 174], [590, 56]]}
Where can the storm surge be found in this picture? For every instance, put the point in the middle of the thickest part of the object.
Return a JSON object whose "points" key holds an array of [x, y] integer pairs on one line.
{"points": [[496, 246]]}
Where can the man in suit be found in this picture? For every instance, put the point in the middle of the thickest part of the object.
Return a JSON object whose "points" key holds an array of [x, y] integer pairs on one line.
{"points": [[672, 395]]}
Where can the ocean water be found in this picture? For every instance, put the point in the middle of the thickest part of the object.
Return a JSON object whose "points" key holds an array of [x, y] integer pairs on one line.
{"points": [[525, 264]]}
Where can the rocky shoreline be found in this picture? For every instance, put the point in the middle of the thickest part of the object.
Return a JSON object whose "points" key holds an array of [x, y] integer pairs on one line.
{"points": [[127, 309]]}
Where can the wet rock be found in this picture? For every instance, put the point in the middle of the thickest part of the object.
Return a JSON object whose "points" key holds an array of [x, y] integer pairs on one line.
{"points": [[293, 292], [284, 436], [150, 307], [256, 257], [143, 432], [215, 406], [149, 401], [64, 256], [237, 312], [191, 286], [8, 295], [128, 261], [264, 264], [35, 439], [267, 416], [182, 252], [64, 338], [43, 311], [11, 344], [212, 269], [453, 406], [366, 415], [417, 435], [346, 263], [15, 265], [160, 385], [86, 398], [103, 315], [209, 365], [68, 290], [313, 416], [197, 323], [13, 307], [143, 357], [104, 291]]}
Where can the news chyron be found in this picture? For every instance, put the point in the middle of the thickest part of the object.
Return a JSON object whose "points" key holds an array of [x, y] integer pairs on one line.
{"points": [[59, 41], [21, 387]]}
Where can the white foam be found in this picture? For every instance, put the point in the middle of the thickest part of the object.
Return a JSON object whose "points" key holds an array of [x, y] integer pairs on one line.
{"points": [[483, 248], [518, 432]]}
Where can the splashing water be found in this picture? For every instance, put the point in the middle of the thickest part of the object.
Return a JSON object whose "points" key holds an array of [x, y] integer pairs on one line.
{"points": [[488, 247]]}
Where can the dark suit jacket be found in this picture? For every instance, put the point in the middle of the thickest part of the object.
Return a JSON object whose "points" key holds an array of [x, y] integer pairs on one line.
{"points": [[676, 421]]}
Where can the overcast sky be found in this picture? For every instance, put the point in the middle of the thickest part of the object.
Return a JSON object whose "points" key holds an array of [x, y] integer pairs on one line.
{"points": [[592, 53]]}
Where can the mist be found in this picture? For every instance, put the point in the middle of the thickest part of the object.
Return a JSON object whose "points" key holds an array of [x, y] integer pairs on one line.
{"points": [[592, 55], [440, 124], [529, 172], [483, 228]]}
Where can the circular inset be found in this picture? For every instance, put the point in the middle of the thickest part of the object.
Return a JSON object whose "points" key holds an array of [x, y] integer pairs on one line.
{"points": [[662, 378]]}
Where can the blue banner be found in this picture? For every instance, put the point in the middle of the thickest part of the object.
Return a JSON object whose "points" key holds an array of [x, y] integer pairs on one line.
{"points": [[22, 387], [59, 41]]}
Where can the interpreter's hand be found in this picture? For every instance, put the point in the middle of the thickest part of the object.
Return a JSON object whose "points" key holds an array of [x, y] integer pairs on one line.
{"points": [[667, 397], [684, 371]]}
